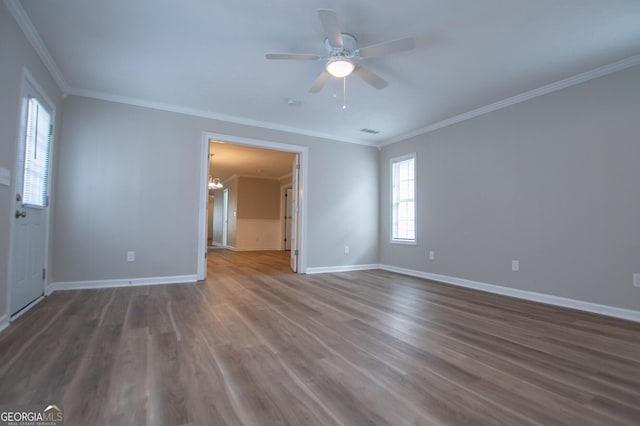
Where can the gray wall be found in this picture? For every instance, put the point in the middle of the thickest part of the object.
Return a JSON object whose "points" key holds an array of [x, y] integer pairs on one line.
{"points": [[553, 182], [344, 184], [15, 53], [129, 180]]}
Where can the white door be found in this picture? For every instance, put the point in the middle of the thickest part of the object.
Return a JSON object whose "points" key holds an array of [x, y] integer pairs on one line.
{"points": [[31, 183], [294, 214], [225, 216], [288, 196]]}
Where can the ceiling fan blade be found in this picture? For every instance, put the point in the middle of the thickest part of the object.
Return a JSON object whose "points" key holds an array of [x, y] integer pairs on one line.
{"points": [[371, 78], [329, 21], [320, 82], [293, 56], [386, 47]]}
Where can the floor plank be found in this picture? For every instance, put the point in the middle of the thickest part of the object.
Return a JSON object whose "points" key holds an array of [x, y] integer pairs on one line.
{"points": [[256, 344]]}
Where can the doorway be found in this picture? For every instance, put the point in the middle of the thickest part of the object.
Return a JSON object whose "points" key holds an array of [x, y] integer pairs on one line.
{"points": [[29, 234], [300, 170]]}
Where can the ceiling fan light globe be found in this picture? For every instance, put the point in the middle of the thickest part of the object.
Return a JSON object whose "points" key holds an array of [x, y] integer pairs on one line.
{"points": [[340, 68]]}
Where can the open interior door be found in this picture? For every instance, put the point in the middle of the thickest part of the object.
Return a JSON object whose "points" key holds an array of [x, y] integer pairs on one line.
{"points": [[294, 213]]}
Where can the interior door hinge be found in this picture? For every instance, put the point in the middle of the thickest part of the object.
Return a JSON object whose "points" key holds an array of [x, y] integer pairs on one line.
{"points": [[295, 252], [44, 274]]}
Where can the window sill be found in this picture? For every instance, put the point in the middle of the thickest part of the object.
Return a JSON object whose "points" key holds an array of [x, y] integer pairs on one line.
{"points": [[404, 242]]}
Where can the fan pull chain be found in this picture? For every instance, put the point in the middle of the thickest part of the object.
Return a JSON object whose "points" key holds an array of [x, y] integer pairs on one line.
{"points": [[344, 93]]}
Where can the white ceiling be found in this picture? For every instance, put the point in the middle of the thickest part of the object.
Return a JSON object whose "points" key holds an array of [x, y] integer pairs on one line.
{"points": [[207, 56]]}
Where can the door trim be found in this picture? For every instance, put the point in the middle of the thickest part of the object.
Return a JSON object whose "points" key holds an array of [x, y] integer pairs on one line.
{"points": [[225, 217], [283, 216], [4, 321], [303, 151], [28, 79]]}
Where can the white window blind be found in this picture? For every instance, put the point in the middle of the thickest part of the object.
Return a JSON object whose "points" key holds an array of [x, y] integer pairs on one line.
{"points": [[36, 155], [403, 199]]}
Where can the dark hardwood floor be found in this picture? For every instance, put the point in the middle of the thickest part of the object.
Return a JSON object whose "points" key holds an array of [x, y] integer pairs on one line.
{"points": [[258, 345]]}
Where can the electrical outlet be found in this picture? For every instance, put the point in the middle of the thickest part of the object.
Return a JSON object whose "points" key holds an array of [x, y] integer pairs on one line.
{"points": [[636, 280], [131, 256], [346, 249], [432, 255], [515, 265]]}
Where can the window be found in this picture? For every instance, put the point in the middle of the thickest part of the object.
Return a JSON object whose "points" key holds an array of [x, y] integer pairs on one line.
{"points": [[403, 210], [36, 154]]}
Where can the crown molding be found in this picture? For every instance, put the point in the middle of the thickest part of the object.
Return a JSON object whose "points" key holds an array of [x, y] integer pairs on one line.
{"points": [[540, 91], [259, 177], [30, 32], [208, 114], [230, 178], [236, 176]]}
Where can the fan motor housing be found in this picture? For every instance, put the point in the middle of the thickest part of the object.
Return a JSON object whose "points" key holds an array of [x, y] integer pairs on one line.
{"points": [[349, 45]]}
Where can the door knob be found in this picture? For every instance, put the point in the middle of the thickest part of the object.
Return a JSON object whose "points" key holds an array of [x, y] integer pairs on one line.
{"points": [[21, 213]]}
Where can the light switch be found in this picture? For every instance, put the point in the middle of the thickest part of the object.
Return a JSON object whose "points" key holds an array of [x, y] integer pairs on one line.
{"points": [[5, 176]]}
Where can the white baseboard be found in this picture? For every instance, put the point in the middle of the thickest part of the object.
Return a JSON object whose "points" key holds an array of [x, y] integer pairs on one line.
{"points": [[133, 282], [4, 322], [345, 268], [611, 311]]}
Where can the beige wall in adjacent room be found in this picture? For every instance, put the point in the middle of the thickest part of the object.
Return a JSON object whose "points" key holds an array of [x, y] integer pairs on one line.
{"points": [[258, 198], [258, 225]]}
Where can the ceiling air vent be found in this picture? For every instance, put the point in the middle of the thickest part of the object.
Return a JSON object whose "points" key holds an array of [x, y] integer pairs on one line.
{"points": [[370, 131]]}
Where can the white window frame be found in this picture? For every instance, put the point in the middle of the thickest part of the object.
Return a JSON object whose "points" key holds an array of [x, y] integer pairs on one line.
{"points": [[32, 139], [393, 161]]}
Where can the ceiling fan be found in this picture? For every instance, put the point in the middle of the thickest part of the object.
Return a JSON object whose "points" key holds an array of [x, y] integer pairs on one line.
{"points": [[343, 54]]}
